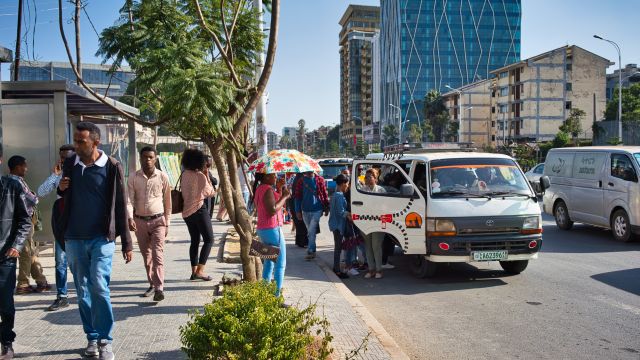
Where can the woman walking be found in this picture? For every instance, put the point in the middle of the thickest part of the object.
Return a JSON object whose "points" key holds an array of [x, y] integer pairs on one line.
{"points": [[269, 204], [196, 187], [373, 242], [338, 217]]}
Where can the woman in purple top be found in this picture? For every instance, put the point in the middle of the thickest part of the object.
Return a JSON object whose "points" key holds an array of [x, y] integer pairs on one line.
{"points": [[269, 204]]}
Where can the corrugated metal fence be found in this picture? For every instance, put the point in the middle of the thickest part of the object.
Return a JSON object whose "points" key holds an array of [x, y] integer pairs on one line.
{"points": [[609, 129]]}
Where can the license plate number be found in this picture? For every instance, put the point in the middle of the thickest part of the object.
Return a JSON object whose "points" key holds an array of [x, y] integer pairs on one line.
{"points": [[489, 255]]}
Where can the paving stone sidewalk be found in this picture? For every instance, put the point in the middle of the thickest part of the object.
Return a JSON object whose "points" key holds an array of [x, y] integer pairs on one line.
{"points": [[145, 330]]}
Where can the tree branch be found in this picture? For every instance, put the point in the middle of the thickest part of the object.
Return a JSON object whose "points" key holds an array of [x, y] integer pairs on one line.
{"points": [[99, 97], [225, 57], [235, 20], [228, 48], [266, 72]]}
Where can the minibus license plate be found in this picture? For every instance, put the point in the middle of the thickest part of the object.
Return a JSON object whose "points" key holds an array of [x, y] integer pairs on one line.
{"points": [[489, 255]]}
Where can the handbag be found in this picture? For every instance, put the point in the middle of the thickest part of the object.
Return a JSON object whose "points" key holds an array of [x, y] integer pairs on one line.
{"points": [[264, 251], [352, 237], [177, 201]]}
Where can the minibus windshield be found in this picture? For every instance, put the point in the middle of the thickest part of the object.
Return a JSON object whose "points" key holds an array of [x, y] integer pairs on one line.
{"points": [[477, 178], [637, 155]]}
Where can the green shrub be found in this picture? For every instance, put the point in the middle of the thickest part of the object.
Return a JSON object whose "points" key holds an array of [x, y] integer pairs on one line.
{"points": [[249, 322], [561, 139]]}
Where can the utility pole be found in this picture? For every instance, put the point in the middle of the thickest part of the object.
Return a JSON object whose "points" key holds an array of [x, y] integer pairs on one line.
{"points": [[18, 41], [77, 25], [261, 109]]}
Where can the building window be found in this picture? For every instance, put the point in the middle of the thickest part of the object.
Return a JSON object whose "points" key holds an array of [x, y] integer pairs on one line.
{"points": [[568, 86], [504, 91], [504, 74], [493, 124], [567, 105], [569, 67], [521, 106], [493, 138], [493, 109], [522, 70], [504, 108], [493, 93]]}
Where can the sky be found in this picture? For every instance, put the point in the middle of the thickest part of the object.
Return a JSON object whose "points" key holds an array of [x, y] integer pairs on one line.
{"points": [[306, 75]]}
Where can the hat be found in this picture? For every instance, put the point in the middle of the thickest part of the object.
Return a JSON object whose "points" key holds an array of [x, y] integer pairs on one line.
{"points": [[341, 179]]}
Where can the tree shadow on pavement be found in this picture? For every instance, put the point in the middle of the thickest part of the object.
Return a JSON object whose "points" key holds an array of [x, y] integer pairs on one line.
{"points": [[164, 355], [626, 280], [52, 353], [71, 316]]}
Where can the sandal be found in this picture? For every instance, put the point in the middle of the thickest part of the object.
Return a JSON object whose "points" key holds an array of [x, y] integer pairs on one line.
{"points": [[200, 277]]}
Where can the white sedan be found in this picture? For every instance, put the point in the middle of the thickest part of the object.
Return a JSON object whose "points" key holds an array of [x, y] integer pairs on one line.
{"points": [[534, 175]]}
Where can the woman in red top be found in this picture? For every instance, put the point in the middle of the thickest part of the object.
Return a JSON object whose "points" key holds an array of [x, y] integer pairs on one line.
{"points": [[269, 204]]}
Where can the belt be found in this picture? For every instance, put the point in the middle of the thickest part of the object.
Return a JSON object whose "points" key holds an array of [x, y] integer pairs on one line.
{"points": [[147, 218]]}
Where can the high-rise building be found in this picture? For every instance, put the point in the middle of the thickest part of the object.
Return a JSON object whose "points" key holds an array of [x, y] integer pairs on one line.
{"points": [[273, 141], [96, 76], [359, 25], [432, 44]]}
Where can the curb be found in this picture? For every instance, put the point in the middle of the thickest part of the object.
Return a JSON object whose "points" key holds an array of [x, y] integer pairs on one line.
{"points": [[387, 342]]}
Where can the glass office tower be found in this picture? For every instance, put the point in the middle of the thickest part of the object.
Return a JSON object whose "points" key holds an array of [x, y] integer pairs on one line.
{"points": [[431, 44]]}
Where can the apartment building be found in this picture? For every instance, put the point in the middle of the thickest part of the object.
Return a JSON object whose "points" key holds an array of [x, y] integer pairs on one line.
{"points": [[531, 98], [470, 106]]}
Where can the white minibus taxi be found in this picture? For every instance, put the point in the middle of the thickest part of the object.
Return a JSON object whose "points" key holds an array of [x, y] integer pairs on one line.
{"points": [[443, 207], [596, 185]]}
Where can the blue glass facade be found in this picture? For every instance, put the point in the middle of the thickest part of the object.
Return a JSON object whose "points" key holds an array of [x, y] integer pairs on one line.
{"points": [[430, 44], [97, 76]]}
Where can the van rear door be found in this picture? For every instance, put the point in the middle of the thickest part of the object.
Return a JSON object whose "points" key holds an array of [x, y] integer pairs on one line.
{"points": [[394, 206]]}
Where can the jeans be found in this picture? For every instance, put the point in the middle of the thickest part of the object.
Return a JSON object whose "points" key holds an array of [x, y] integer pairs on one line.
{"points": [[312, 221], [274, 269], [7, 306], [337, 250], [90, 262], [61, 270], [198, 224]]}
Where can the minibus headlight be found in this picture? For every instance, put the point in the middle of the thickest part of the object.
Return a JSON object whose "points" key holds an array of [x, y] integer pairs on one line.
{"points": [[445, 226], [441, 227], [532, 222]]}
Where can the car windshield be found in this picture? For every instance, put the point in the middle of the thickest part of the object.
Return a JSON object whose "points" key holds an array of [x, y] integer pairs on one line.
{"points": [[331, 171], [637, 155], [477, 177]]}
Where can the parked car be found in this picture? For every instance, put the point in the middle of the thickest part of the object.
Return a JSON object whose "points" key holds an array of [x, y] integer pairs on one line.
{"points": [[331, 168], [594, 185], [534, 175]]}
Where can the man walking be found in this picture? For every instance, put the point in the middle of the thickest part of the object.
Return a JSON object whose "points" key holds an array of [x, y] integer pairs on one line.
{"points": [[15, 226], [94, 215], [312, 200], [29, 264], [150, 199], [48, 186]]}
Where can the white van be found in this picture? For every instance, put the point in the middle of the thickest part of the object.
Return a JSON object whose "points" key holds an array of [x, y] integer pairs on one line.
{"points": [[449, 207], [594, 185]]}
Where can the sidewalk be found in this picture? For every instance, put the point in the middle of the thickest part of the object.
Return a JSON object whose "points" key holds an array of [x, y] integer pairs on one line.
{"points": [[143, 330]]}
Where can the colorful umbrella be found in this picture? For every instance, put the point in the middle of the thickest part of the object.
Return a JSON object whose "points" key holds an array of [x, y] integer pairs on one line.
{"points": [[282, 161]]}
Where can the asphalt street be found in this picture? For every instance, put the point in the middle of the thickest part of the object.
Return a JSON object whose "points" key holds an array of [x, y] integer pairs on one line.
{"points": [[579, 300]]}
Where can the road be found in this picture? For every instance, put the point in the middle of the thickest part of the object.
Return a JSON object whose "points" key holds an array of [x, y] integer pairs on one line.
{"points": [[579, 300]]}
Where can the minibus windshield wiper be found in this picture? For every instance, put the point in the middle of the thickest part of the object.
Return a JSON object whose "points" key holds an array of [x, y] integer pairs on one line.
{"points": [[507, 193], [464, 194]]}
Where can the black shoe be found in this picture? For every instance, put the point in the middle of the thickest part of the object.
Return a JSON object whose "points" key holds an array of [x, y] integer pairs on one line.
{"points": [[7, 352], [59, 303], [342, 275], [159, 296], [149, 292]]}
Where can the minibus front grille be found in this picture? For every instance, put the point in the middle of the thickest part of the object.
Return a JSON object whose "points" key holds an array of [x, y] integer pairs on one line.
{"points": [[491, 245], [489, 231]]}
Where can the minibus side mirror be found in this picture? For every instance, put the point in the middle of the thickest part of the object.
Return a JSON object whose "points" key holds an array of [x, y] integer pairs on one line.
{"points": [[545, 183], [406, 189]]}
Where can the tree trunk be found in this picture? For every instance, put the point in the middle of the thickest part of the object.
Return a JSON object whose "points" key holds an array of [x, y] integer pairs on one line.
{"points": [[234, 203]]}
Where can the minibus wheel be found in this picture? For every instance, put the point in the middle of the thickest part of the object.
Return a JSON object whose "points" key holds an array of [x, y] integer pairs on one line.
{"points": [[422, 268], [561, 213], [620, 226], [514, 267]]}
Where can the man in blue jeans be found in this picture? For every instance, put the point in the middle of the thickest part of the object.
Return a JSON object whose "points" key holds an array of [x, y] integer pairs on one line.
{"points": [[48, 186], [95, 214], [311, 200]]}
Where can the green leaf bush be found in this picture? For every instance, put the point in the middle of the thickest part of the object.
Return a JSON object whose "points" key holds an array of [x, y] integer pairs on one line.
{"points": [[249, 322]]}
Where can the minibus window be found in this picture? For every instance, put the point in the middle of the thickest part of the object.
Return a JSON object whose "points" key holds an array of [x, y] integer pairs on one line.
{"points": [[637, 155]]}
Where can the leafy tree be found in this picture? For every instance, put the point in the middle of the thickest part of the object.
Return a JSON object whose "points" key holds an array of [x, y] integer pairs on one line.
{"points": [[195, 67], [452, 130], [433, 108], [440, 125], [390, 134], [561, 139], [333, 148], [573, 124], [630, 105], [415, 133], [427, 131], [285, 142]]}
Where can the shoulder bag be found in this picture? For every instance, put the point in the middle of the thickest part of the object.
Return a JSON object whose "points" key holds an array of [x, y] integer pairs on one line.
{"points": [[264, 251], [177, 202]]}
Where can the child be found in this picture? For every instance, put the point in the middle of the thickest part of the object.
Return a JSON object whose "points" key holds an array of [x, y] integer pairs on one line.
{"points": [[338, 220]]}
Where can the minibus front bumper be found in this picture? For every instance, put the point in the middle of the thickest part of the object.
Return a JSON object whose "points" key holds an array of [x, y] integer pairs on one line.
{"points": [[505, 247]]}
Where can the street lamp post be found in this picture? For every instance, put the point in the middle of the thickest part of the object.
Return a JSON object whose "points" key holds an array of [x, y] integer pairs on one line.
{"points": [[399, 122], [619, 83]]}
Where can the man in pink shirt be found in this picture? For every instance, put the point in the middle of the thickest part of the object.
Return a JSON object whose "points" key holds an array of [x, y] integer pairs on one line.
{"points": [[150, 208]]}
